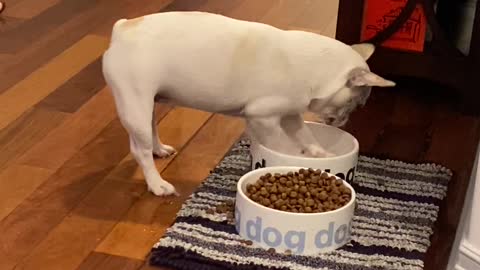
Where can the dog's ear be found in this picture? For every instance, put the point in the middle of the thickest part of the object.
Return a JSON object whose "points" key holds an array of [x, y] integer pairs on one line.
{"points": [[364, 49], [362, 77]]}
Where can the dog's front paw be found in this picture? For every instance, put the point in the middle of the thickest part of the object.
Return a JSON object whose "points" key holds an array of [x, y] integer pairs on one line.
{"points": [[163, 151], [162, 188], [317, 151], [329, 154]]}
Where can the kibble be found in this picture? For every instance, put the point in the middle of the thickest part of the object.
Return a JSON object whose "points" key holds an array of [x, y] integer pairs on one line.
{"points": [[303, 191], [226, 208]]}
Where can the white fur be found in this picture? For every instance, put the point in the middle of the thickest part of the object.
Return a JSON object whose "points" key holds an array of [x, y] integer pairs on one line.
{"points": [[218, 64]]}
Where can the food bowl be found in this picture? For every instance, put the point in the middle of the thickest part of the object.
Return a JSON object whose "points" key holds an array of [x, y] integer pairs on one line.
{"points": [[337, 141], [299, 233]]}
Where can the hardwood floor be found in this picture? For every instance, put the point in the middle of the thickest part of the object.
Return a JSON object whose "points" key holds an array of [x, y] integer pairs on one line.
{"points": [[71, 196]]}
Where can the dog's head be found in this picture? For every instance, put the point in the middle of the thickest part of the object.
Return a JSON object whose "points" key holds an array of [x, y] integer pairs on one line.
{"points": [[351, 93]]}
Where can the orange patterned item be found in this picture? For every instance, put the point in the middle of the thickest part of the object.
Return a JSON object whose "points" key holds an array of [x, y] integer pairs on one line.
{"points": [[378, 14]]}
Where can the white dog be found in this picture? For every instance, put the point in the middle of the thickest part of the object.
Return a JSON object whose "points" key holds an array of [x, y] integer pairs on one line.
{"points": [[223, 65]]}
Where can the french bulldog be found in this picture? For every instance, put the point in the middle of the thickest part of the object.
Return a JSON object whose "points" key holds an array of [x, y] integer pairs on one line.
{"points": [[214, 63]]}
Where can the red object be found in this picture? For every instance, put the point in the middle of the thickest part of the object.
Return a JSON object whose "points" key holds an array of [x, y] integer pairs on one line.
{"points": [[378, 14]]}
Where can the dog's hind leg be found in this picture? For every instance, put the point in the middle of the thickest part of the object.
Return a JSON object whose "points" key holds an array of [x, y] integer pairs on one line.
{"points": [[135, 113], [134, 97], [159, 149]]}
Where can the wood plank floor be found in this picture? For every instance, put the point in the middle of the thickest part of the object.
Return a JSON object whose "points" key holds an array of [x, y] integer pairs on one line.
{"points": [[71, 196]]}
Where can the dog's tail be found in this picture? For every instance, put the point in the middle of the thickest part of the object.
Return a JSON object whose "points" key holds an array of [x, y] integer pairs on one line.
{"points": [[116, 29], [118, 23], [115, 36]]}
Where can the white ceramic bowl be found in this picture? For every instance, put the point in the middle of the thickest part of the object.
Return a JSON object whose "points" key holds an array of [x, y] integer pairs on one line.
{"points": [[301, 233], [333, 139]]}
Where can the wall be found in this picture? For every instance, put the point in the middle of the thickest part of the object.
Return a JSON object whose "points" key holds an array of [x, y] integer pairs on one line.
{"points": [[465, 26], [465, 253]]}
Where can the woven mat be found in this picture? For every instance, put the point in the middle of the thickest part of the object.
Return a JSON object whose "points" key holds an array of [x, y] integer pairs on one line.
{"points": [[398, 204]]}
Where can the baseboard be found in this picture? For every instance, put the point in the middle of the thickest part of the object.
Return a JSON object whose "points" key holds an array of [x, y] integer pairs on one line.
{"points": [[468, 257]]}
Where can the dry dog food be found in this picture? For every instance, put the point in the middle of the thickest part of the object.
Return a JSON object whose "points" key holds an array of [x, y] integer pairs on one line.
{"points": [[305, 191], [227, 208]]}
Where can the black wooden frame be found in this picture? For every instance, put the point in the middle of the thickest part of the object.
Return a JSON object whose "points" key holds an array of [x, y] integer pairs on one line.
{"points": [[441, 62]]}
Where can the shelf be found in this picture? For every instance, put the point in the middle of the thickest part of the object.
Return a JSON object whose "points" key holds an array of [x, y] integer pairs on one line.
{"points": [[447, 70]]}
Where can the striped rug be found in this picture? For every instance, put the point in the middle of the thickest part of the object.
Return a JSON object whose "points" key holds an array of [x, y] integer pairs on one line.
{"points": [[398, 204]]}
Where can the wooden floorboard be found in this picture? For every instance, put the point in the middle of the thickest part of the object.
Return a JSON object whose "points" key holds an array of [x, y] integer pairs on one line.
{"points": [[23, 133], [24, 34], [79, 200], [423, 127], [27, 9], [69, 243], [368, 132], [75, 132], [16, 183], [403, 138], [55, 41], [61, 193], [128, 9], [7, 23], [148, 218], [96, 261], [177, 128], [70, 96], [454, 145], [147, 266], [309, 18], [31, 90]]}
